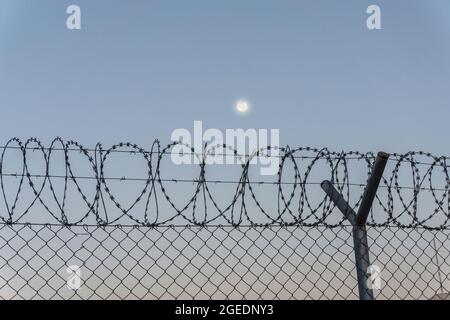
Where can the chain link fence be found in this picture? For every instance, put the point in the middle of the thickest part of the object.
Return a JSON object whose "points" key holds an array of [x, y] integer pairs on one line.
{"points": [[217, 262], [74, 231]]}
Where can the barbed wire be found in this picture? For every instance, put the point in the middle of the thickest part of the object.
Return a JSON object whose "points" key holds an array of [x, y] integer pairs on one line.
{"points": [[392, 157], [401, 205]]}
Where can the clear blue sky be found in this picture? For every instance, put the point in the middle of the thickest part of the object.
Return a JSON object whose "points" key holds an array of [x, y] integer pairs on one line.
{"points": [[139, 69]]}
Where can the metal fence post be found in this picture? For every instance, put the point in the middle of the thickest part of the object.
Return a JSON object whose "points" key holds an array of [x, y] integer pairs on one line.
{"points": [[358, 221]]}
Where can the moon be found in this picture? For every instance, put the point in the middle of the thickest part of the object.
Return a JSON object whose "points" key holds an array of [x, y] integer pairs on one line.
{"points": [[242, 106]]}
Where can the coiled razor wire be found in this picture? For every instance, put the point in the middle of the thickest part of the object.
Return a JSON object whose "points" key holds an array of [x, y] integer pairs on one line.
{"points": [[400, 204]]}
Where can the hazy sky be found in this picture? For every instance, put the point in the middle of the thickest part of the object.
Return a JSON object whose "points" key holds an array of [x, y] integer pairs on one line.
{"points": [[140, 69]]}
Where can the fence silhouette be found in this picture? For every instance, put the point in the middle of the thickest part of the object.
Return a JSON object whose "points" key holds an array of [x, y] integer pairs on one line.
{"points": [[138, 229]]}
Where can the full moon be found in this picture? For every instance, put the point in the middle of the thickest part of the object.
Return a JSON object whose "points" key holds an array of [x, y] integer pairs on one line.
{"points": [[242, 106]]}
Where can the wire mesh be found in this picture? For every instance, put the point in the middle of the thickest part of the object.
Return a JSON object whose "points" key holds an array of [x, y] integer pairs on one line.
{"points": [[214, 236], [191, 262]]}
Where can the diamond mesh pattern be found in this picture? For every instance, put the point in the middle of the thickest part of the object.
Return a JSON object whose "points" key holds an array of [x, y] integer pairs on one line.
{"points": [[217, 262]]}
